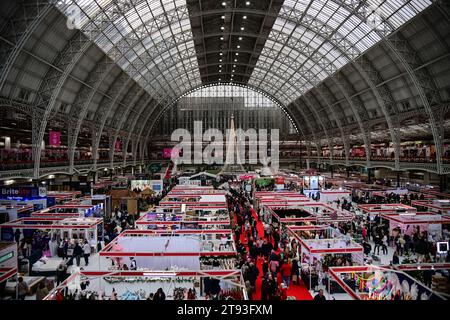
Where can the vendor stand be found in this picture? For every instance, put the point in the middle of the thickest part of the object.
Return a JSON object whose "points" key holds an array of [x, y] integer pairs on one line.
{"points": [[137, 285], [48, 232], [421, 221], [434, 275], [386, 208], [334, 195], [71, 211], [381, 283], [10, 212], [160, 249], [435, 205], [317, 255]]}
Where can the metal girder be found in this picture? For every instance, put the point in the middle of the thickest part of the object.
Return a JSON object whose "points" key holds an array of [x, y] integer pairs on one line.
{"points": [[294, 119], [19, 30], [103, 110], [50, 89], [325, 94], [384, 98], [83, 100], [309, 104], [130, 100], [423, 82], [359, 111], [157, 115], [408, 58]]}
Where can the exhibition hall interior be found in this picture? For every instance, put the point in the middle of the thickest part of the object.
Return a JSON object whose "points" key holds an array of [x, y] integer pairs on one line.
{"points": [[257, 150]]}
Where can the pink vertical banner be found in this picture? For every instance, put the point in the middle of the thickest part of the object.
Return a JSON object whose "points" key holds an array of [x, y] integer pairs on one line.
{"points": [[117, 145], [167, 153], [55, 138]]}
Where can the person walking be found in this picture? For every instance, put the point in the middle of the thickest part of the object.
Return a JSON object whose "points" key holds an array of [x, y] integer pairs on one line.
{"points": [[273, 266], [159, 295], [22, 289], [320, 296], [86, 252], [41, 291], [286, 270], [384, 244], [77, 253]]}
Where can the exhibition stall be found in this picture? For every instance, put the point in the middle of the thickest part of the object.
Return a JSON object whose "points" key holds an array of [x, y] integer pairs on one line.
{"points": [[60, 197], [334, 195], [309, 212], [125, 200], [313, 182], [425, 221], [386, 208], [435, 205], [197, 200], [10, 212], [318, 255], [310, 231], [435, 275], [71, 210], [48, 232], [381, 283], [162, 249], [138, 285], [191, 218]]}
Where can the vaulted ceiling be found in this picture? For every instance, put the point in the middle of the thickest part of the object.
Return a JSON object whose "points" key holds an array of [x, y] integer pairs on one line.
{"points": [[336, 66]]}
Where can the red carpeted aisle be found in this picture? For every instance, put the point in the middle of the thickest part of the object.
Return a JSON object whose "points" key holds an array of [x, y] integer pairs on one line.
{"points": [[300, 292]]}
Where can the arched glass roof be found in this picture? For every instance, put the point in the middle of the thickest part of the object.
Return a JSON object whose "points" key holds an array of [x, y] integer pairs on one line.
{"points": [[153, 41]]}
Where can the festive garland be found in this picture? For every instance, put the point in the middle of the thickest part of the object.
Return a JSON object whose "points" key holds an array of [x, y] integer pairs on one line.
{"points": [[147, 279]]}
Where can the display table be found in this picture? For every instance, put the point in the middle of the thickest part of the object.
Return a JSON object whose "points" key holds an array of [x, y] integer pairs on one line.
{"points": [[137, 285]]}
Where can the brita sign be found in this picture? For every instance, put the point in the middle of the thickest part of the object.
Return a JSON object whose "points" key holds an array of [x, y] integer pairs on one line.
{"points": [[23, 192]]}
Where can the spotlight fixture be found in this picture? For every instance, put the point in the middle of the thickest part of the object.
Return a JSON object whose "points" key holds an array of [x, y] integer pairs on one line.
{"points": [[223, 17], [242, 28], [232, 70], [240, 38], [220, 60], [238, 47], [224, 3], [222, 28], [220, 66], [221, 38], [221, 54], [247, 3], [235, 60], [237, 53], [234, 66], [244, 17]]}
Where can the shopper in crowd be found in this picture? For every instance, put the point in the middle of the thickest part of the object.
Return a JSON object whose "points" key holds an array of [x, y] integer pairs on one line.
{"points": [[274, 266], [86, 252], [17, 234], [61, 273], [295, 272], [401, 245], [159, 295], [77, 253], [285, 271], [320, 296], [395, 258], [22, 288], [133, 265], [384, 244], [41, 291]]}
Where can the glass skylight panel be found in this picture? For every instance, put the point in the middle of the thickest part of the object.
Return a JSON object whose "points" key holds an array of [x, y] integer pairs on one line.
{"points": [[361, 34], [147, 20]]}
